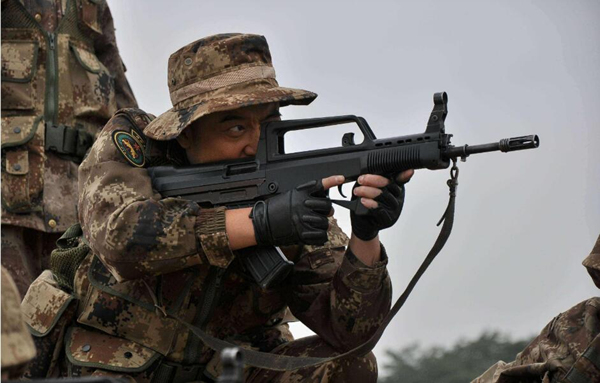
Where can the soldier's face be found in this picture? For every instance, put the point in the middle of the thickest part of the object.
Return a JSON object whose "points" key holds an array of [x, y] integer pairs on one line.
{"points": [[227, 135]]}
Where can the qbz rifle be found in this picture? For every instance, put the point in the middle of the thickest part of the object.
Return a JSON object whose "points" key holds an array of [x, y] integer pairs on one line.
{"points": [[239, 183]]}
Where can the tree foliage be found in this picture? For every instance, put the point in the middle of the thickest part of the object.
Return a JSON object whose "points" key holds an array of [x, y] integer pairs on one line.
{"points": [[460, 363]]}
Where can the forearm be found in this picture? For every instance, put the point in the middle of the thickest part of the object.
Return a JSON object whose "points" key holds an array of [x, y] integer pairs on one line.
{"points": [[368, 252], [133, 233], [240, 230], [347, 309]]}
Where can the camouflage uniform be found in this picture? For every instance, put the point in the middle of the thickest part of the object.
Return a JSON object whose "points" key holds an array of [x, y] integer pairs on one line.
{"points": [[152, 255], [62, 79], [17, 346], [567, 349]]}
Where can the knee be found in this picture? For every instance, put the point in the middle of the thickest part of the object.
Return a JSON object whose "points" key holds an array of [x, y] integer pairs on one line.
{"points": [[359, 369]]}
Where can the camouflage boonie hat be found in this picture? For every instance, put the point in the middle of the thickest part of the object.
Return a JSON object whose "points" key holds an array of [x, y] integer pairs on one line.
{"points": [[17, 344], [219, 73]]}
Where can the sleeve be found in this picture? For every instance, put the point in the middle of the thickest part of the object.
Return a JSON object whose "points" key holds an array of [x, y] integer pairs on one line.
{"points": [[130, 227], [338, 297], [108, 53]]}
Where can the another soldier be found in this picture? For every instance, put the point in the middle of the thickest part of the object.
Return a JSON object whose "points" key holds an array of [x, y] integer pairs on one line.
{"points": [[17, 345], [62, 79], [568, 348], [153, 258]]}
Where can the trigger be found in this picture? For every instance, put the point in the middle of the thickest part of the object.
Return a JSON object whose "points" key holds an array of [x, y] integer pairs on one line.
{"points": [[341, 191]]}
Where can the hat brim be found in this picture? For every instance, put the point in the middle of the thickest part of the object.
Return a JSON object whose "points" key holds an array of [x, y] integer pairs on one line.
{"points": [[169, 125]]}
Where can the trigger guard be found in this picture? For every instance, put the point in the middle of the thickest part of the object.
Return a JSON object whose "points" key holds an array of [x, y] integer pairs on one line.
{"points": [[341, 191]]}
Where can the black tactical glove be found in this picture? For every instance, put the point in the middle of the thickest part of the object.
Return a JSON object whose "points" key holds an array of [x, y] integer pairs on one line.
{"points": [[390, 202], [297, 216]]}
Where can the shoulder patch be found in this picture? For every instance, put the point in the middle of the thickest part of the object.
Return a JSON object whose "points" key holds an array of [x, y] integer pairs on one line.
{"points": [[130, 147], [138, 137]]}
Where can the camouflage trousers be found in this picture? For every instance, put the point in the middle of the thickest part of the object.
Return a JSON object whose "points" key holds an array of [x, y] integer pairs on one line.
{"points": [[26, 253], [363, 370], [567, 350]]}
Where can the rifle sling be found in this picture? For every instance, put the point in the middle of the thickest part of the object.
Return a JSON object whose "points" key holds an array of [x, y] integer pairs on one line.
{"points": [[286, 363]]}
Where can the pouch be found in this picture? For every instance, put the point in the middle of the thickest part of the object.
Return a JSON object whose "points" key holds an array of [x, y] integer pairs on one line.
{"points": [[47, 311], [19, 67], [22, 163], [89, 348]]}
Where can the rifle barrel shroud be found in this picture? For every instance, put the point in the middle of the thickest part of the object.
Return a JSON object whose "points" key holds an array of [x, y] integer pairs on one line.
{"points": [[237, 183]]}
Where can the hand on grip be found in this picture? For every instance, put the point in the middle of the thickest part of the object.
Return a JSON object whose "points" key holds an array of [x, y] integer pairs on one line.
{"points": [[297, 216], [384, 199]]}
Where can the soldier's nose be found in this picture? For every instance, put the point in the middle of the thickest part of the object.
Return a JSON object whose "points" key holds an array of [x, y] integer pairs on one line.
{"points": [[250, 149], [254, 137]]}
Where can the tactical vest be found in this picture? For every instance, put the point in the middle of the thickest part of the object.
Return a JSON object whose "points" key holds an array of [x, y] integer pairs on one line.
{"points": [[56, 95]]}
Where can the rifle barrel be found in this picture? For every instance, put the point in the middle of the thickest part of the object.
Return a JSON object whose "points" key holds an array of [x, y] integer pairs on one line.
{"points": [[504, 145]]}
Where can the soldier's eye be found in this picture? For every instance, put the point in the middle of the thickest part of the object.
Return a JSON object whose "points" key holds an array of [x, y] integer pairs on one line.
{"points": [[236, 130]]}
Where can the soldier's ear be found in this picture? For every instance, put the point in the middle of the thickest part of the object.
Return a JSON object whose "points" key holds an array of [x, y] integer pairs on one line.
{"points": [[185, 138]]}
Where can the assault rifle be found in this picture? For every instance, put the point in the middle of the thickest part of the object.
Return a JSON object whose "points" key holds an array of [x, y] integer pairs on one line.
{"points": [[238, 183]]}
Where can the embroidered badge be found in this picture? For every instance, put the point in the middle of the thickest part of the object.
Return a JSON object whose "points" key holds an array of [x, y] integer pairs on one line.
{"points": [[130, 148], [139, 138]]}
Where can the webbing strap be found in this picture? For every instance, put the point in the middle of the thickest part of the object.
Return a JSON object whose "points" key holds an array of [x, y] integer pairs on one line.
{"points": [[286, 363]]}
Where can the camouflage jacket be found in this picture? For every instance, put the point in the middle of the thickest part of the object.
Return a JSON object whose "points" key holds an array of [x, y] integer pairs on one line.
{"points": [[153, 255], [567, 349], [60, 67]]}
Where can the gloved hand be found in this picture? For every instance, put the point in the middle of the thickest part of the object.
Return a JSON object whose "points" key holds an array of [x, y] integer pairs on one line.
{"points": [[297, 216], [389, 201]]}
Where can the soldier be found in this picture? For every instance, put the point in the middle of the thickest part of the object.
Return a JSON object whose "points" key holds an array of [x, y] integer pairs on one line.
{"points": [[62, 79], [17, 345], [568, 348], [152, 258]]}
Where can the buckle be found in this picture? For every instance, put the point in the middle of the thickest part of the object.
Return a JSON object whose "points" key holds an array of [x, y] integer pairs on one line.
{"points": [[55, 137], [85, 141], [66, 140]]}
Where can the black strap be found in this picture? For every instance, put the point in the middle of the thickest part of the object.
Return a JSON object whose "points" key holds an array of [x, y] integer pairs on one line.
{"points": [[286, 363]]}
